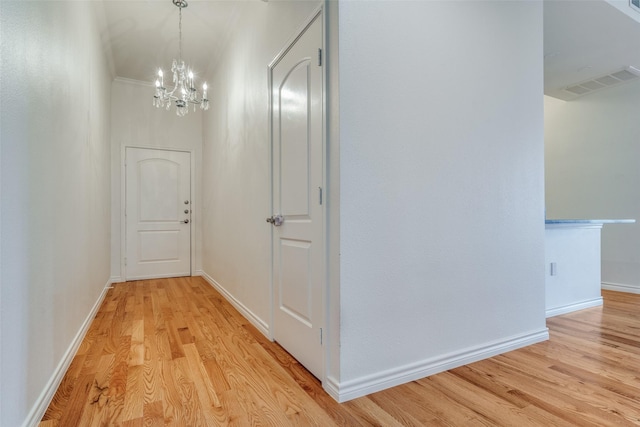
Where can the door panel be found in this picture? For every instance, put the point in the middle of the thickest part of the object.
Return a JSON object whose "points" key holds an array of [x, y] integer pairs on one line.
{"points": [[296, 296], [298, 244], [158, 240], [159, 245], [158, 195], [294, 140]]}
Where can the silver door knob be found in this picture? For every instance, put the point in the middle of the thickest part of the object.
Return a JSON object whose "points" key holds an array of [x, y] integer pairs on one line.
{"points": [[186, 211], [186, 202], [186, 221], [276, 220]]}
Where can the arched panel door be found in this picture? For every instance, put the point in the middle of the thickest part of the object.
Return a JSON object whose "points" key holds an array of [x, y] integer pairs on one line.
{"points": [[157, 213], [298, 231]]}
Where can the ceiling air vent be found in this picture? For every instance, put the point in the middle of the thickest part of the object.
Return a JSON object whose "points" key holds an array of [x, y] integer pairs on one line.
{"points": [[625, 75]]}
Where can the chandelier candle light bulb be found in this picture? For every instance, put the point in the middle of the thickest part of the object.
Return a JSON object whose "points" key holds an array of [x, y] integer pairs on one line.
{"points": [[183, 79]]}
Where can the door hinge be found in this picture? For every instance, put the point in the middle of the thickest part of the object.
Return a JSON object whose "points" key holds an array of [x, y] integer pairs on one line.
{"points": [[319, 57], [320, 336], [320, 195], [125, 260]]}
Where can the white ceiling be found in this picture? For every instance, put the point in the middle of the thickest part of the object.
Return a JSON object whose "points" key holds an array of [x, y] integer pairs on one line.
{"points": [[143, 34], [583, 39]]}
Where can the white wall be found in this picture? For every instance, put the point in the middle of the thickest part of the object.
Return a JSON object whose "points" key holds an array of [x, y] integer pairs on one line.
{"points": [[441, 186], [136, 122], [236, 174], [55, 100], [591, 164]]}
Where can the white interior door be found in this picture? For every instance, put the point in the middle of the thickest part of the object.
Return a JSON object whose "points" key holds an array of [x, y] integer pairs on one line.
{"points": [[298, 242], [157, 213]]}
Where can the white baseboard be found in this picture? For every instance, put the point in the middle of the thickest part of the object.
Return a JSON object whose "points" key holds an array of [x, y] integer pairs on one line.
{"points": [[363, 386], [43, 401], [574, 307], [332, 387], [156, 276], [244, 310], [119, 279], [621, 287]]}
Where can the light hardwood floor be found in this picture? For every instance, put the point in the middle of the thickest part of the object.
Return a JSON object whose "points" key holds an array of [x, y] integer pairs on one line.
{"points": [[174, 352]]}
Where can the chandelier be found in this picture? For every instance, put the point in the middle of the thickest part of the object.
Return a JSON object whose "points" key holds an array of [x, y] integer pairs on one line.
{"points": [[184, 92]]}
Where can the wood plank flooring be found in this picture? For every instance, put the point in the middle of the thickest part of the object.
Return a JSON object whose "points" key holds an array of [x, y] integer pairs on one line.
{"points": [[173, 352]]}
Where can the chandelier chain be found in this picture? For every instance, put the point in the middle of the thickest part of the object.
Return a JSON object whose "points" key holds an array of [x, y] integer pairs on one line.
{"points": [[180, 35]]}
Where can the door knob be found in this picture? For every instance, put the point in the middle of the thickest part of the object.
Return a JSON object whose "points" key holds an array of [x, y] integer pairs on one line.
{"points": [[186, 211], [276, 220], [186, 221]]}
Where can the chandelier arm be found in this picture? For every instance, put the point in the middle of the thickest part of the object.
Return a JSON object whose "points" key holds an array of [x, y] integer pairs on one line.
{"points": [[170, 94]]}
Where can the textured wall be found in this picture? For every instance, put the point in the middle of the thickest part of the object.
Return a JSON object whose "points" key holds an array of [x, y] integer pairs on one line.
{"points": [[55, 102], [441, 180]]}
